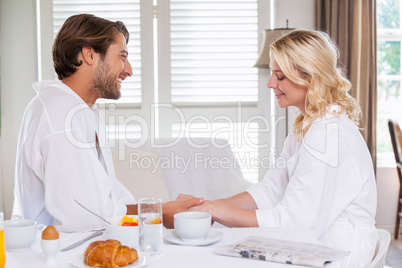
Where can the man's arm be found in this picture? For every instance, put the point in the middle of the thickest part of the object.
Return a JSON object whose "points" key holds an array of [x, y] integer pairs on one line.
{"points": [[169, 209], [132, 209]]}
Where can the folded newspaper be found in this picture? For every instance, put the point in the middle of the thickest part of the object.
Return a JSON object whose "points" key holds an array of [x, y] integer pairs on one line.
{"points": [[275, 250]]}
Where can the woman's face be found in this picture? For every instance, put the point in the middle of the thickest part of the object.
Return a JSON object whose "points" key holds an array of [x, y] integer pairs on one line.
{"points": [[287, 93]]}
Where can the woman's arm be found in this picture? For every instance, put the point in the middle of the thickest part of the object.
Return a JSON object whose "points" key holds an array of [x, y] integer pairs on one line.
{"points": [[243, 200], [235, 211]]}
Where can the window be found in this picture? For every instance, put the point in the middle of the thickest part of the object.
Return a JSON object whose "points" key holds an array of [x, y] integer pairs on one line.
{"points": [[127, 11], [389, 99], [212, 46], [192, 72]]}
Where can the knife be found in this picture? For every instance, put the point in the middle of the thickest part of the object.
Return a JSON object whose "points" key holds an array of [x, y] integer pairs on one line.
{"points": [[76, 244], [90, 211]]}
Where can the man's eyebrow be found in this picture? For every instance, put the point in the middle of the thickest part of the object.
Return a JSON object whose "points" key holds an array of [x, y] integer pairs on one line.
{"points": [[125, 52]]}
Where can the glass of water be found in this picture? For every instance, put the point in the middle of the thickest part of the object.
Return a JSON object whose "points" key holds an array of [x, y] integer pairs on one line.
{"points": [[150, 223]]}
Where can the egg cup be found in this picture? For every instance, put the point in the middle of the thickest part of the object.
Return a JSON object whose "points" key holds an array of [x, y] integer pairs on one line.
{"points": [[50, 248]]}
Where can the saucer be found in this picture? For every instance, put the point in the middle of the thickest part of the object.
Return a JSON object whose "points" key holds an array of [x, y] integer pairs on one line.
{"points": [[79, 261], [212, 237]]}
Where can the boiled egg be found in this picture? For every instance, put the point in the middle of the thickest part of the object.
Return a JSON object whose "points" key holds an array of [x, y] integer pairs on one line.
{"points": [[50, 233]]}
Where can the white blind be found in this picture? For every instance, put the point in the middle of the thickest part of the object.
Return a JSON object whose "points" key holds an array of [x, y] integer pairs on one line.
{"points": [[127, 11], [214, 45]]}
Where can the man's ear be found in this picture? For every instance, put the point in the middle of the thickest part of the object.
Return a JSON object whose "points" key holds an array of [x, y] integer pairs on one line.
{"points": [[88, 54]]}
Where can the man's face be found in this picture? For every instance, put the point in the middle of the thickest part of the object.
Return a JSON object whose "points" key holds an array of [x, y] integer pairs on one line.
{"points": [[111, 71]]}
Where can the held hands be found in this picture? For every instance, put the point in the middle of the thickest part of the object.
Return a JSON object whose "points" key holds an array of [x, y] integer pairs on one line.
{"points": [[206, 206], [236, 211], [179, 205]]}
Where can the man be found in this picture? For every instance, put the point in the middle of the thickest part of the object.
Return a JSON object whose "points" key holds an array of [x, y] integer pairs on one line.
{"points": [[58, 156]]}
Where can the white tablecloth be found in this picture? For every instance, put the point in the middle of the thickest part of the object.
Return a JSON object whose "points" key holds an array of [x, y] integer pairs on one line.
{"points": [[172, 255]]}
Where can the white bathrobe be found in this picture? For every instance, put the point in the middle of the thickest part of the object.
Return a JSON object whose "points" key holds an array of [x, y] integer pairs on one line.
{"points": [[327, 184], [58, 161]]}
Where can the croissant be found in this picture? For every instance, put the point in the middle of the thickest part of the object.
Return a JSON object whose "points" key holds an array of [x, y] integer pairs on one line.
{"points": [[109, 254]]}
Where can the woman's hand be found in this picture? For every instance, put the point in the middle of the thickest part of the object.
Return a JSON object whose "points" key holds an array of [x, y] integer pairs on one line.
{"points": [[207, 206], [228, 215], [235, 211]]}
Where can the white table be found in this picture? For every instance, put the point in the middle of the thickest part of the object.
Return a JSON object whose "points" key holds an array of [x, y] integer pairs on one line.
{"points": [[172, 255]]}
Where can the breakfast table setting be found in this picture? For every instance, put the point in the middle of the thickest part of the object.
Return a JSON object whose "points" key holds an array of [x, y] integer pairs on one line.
{"points": [[142, 241], [174, 251]]}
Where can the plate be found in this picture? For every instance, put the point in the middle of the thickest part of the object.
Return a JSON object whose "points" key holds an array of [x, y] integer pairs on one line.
{"points": [[79, 261], [212, 237]]}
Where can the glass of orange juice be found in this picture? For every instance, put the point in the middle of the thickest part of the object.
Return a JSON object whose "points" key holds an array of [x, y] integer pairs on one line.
{"points": [[2, 247]]}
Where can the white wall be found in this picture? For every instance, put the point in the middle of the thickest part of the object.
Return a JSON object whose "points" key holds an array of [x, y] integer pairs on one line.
{"points": [[387, 191], [291, 10], [19, 71]]}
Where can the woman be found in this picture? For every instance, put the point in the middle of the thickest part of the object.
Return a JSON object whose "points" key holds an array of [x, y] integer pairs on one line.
{"points": [[328, 182]]}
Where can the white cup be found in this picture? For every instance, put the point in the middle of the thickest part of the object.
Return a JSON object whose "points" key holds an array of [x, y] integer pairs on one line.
{"points": [[19, 234], [192, 225]]}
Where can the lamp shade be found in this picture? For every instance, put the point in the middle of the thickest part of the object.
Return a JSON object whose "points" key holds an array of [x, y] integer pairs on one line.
{"points": [[268, 37]]}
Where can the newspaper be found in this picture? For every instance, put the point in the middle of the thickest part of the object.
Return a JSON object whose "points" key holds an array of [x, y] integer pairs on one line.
{"points": [[282, 251]]}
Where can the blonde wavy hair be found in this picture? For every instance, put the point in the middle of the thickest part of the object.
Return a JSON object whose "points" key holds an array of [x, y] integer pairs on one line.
{"points": [[314, 56]]}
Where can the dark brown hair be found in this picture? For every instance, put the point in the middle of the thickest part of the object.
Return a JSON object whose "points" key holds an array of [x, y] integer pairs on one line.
{"points": [[83, 30]]}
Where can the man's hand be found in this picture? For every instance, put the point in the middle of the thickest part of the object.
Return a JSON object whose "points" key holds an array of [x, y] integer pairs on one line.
{"points": [[173, 207]]}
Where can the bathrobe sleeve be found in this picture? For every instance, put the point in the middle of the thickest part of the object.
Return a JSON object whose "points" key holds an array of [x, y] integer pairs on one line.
{"points": [[269, 192]]}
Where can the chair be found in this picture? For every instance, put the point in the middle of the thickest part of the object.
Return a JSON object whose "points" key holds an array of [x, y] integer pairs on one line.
{"points": [[381, 249], [139, 173], [194, 166], [396, 139]]}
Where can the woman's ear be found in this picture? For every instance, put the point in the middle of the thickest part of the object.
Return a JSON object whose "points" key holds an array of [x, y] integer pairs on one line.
{"points": [[88, 54]]}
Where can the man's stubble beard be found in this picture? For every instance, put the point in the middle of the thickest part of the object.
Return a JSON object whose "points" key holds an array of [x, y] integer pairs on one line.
{"points": [[104, 84]]}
